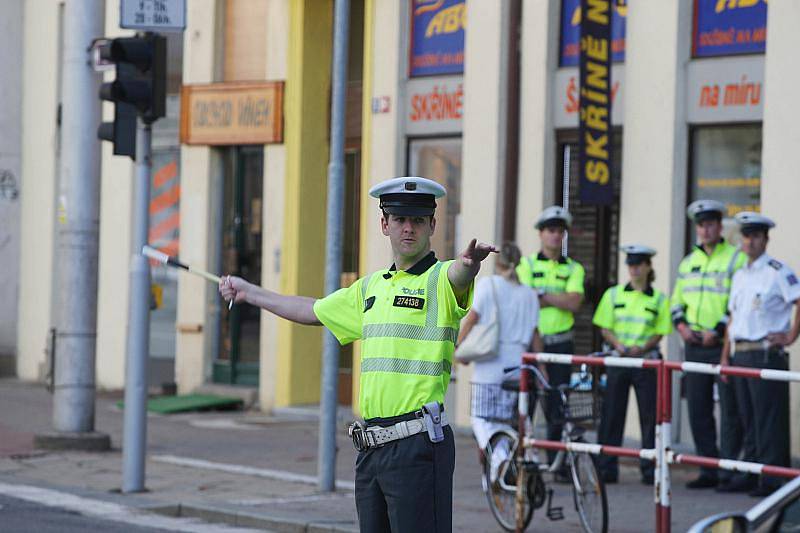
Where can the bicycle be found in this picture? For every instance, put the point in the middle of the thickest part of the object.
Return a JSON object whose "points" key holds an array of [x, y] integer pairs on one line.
{"points": [[513, 479]]}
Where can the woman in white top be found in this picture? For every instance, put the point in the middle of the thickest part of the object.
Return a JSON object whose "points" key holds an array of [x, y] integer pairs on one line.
{"points": [[518, 316]]}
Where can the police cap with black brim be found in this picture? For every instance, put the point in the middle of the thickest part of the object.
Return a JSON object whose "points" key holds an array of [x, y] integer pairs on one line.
{"points": [[408, 196], [637, 253], [751, 222], [555, 215], [702, 210]]}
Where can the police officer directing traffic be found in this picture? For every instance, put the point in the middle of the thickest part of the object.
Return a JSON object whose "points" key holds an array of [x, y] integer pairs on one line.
{"points": [[408, 318], [699, 312], [559, 281], [762, 295], [632, 319]]}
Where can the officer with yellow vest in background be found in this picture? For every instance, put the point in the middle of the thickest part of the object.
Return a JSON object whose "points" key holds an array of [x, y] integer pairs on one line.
{"points": [[559, 282], [408, 317], [632, 319], [700, 314]]}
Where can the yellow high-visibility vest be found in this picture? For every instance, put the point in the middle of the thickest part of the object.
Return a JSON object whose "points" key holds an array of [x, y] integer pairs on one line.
{"points": [[408, 322]]}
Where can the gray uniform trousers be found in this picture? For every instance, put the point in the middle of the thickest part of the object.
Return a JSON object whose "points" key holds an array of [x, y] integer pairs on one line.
{"points": [[765, 405], [406, 485], [700, 396]]}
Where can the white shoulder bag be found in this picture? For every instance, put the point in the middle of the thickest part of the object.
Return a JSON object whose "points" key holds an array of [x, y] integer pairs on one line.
{"points": [[482, 341]]}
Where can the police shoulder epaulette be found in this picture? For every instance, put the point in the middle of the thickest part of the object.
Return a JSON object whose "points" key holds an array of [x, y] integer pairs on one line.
{"points": [[777, 265]]}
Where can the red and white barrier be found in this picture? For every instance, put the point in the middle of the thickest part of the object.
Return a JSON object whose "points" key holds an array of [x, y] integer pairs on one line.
{"points": [[662, 454]]}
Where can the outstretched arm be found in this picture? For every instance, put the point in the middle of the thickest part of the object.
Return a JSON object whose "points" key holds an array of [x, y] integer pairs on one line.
{"points": [[298, 309], [466, 266]]}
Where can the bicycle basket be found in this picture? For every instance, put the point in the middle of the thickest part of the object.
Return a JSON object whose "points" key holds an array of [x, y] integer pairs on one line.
{"points": [[492, 402], [583, 406]]}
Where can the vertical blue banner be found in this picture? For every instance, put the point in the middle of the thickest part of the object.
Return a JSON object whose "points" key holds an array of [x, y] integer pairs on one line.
{"points": [[571, 31], [437, 37], [594, 121], [729, 27]]}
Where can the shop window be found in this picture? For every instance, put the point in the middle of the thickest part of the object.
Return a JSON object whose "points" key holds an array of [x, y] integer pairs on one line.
{"points": [[726, 166], [440, 160]]}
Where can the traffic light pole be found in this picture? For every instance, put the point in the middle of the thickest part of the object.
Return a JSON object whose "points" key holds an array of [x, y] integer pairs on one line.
{"points": [[333, 255], [135, 423]]}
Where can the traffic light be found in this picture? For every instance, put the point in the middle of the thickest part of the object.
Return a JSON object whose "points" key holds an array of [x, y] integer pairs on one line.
{"points": [[140, 87]]}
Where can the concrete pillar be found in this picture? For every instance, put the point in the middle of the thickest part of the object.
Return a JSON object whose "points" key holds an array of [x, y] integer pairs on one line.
{"points": [[306, 142], [11, 34], [40, 146], [199, 168], [116, 197], [655, 141], [484, 144], [780, 188], [537, 157]]}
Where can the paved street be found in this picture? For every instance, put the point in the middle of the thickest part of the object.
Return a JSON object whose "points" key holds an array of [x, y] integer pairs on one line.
{"points": [[254, 470]]}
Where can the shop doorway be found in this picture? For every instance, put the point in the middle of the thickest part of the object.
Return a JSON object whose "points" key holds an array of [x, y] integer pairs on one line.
{"points": [[594, 238], [238, 357]]}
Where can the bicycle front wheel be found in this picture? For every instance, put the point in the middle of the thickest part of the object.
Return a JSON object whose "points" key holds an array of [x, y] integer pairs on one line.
{"points": [[500, 475], [589, 493]]}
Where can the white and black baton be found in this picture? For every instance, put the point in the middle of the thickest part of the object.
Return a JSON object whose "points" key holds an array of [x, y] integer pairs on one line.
{"points": [[165, 259]]}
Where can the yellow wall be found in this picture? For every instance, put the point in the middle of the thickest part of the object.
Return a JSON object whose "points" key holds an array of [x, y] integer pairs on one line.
{"points": [[306, 113]]}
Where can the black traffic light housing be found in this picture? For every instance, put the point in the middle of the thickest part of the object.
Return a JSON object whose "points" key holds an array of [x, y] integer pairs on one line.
{"points": [[140, 87]]}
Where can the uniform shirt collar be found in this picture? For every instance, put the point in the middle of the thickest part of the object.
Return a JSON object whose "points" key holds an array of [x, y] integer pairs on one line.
{"points": [[648, 291], [717, 247], [759, 263], [542, 257], [421, 266]]}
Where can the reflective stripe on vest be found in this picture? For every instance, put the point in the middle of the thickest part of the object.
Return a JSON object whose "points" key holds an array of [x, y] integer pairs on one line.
{"points": [[627, 327], [429, 332], [703, 284], [405, 366]]}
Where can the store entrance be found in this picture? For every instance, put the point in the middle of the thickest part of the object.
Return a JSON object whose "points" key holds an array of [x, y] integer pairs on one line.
{"points": [[593, 240], [238, 357]]}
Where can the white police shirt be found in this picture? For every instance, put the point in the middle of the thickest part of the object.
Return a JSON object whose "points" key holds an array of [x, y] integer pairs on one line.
{"points": [[761, 299]]}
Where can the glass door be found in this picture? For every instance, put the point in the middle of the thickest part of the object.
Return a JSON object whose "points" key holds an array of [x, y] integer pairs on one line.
{"points": [[238, 358]]}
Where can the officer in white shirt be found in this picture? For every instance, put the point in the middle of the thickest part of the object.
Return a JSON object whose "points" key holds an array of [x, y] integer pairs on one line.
{"points": [[761, 299]]}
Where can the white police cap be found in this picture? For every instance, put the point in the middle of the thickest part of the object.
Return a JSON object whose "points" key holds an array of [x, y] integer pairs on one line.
{"points": [[701, 210], [637, 253], [555, 214], [408, 195], [750, 221]]}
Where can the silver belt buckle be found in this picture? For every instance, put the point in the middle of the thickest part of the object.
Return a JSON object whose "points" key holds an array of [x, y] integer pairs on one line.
{"points": [[358, 432]]}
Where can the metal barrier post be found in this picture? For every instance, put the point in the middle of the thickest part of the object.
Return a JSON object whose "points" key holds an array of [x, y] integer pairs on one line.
{"points": [[659, 471], [665, 393], [523, 406]]}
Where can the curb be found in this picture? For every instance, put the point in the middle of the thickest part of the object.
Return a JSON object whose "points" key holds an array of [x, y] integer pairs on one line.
{"points": [[247, 519]]}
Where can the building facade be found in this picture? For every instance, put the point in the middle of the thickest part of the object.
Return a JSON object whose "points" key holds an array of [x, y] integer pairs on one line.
{"points": [[481, 96]]}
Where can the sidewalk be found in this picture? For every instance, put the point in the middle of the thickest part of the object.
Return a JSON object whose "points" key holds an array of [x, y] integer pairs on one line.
{"points": [[251, 470]]}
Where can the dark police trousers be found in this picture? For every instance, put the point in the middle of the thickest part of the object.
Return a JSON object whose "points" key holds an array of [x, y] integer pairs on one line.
{"points": [[556, 375], [615, 407], [406, 485], [765, 409], [700, 397]]}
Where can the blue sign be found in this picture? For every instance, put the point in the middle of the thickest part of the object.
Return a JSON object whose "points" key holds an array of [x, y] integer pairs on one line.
{"points": [[571, 32], [437, 37], [728, 27]]}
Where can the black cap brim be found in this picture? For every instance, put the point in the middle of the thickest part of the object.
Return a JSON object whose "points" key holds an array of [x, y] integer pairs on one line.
{"points": [[749, 229], [409, 210], [707, 215], [636, 259], [408, 204], [552, 223]]}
